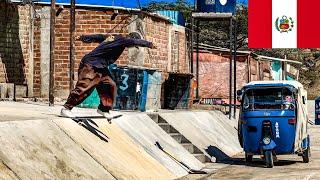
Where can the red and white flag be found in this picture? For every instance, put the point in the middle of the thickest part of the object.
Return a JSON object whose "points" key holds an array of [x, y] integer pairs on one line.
{"points": [[284, 24]]}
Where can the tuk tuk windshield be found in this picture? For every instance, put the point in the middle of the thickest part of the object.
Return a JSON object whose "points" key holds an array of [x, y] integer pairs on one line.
{"points": [[268, 98]]}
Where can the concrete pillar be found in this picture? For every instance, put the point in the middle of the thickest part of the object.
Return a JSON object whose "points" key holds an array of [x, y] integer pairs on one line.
{"points": [[3, 90], [136, 56], [31, 60], [169, 67], [45, 52]]}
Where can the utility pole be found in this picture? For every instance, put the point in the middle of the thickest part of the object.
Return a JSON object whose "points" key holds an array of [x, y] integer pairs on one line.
{"points": [[52, 46], [230, 68], [197, 60], [235, 68], [213, 16], [72, 43], [192, 46]]}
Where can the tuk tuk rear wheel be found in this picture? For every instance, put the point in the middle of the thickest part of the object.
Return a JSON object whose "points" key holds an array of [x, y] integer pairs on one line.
{"points": [[248, 157], [268, 159], [306, 155]]}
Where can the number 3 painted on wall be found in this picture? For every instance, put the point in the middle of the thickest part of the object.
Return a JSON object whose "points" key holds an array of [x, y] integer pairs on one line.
{"points": [[124, 78]]}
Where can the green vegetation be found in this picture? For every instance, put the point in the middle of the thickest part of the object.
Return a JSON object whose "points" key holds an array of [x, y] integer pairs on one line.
{"points": [[217, 34]]}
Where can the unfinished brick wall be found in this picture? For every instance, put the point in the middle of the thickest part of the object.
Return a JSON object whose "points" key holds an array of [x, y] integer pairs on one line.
{"points": [[179, 58], [16, 54], [87, 22], [14, 43], [183, 57], [37, 57], [175, 50], [90, 21], [157, 31], [214, 73]]}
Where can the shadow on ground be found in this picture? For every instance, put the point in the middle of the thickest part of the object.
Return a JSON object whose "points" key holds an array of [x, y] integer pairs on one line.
{"points": [[256, 162]]}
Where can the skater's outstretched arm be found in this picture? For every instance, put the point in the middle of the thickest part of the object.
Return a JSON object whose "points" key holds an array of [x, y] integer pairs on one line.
{"points": [[94, 38], [128, 42]]}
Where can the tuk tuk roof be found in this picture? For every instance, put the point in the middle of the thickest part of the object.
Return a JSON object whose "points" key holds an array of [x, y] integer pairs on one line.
{"points": [[295, 84]]}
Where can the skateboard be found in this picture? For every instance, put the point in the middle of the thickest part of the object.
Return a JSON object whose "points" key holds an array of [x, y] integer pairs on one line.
{"points": [[90, 125], [93, 117]]}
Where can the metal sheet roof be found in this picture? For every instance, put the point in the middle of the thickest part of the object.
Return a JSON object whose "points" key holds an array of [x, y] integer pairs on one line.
{"points": [[295, 84]]}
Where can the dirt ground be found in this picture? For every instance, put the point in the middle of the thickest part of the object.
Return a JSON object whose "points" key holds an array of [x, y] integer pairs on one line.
{"points": [[288, 166]]}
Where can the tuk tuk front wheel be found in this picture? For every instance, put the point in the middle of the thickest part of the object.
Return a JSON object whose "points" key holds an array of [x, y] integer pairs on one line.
{"points": [[306, 155], [268, 158]]}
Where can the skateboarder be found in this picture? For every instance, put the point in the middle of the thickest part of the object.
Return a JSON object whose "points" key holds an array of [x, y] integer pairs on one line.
{"points": [[93, 71]]}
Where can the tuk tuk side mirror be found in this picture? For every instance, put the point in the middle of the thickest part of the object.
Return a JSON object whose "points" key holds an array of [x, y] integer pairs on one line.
{"points": [[239, 92]]}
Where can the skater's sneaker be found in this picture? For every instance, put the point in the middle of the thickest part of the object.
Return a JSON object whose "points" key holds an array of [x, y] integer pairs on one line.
{"points": [[67, 113], [110, 115]]}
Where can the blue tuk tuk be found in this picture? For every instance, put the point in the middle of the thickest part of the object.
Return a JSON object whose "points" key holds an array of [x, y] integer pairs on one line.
{"points": [[273, 120]]}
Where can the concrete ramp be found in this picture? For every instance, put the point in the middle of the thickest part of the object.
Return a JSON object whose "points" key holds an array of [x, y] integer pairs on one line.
{"points": [[146, 132], [40, 150], [210, 132], [120, 155], [6, 173], [219, 116]]}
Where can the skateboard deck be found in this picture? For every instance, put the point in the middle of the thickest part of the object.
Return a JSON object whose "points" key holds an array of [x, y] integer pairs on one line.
{"points": [[90, 125]]}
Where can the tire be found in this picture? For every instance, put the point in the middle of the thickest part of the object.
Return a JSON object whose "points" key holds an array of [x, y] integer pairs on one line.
{"points": [[306, 155], [248, 158], [240, 134], [268, 159]]}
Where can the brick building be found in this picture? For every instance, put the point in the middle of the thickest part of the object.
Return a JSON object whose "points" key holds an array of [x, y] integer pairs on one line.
{"points": [[24, 49], [214, 64]]}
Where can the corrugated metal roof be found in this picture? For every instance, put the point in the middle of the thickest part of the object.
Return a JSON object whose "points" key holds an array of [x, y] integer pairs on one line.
{"points": [[254, 55], [295, 84]]}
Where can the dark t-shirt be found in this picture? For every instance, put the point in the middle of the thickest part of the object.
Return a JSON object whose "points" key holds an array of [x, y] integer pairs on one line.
{"points": [[109, 51]]}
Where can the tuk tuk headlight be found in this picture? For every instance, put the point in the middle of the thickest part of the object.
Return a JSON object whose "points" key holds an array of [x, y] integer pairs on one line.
{"points": [[266, 140]]}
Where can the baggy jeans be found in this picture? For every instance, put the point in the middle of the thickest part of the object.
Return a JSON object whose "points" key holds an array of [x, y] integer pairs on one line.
{"points": [[89, 78]]}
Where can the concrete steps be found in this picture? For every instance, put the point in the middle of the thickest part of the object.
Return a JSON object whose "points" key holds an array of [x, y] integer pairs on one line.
{"points": [[179, 138], [192, 149], [168, 128], [145, 132], [202, 158]]}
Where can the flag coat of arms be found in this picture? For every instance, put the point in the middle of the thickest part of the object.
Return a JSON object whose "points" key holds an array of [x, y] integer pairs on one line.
{"points": [[284, 24]]}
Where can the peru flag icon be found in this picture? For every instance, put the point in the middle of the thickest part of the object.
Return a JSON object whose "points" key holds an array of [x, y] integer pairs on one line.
{"points": [[284, 24]]}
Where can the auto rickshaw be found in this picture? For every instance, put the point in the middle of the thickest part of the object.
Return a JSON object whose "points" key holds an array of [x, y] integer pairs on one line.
{"points": [[273, 120]]}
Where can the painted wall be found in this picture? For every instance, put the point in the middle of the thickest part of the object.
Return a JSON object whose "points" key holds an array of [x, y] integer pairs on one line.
{"points": [[137, 90]]}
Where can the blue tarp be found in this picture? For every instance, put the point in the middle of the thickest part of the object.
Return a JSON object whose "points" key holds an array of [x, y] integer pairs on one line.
{"points": [[277, 71], [175, 17]]}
